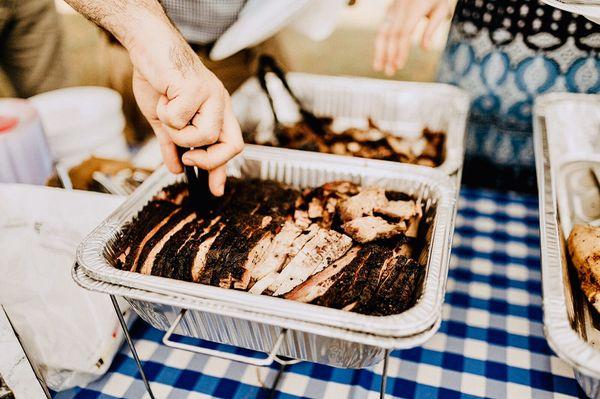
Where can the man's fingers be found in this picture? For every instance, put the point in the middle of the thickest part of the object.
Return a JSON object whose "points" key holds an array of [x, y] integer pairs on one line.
{"points": [[437, 16], [191, 136], [231, 144], [215, 157], [232, 133], [216, 180], [399, 34], [205, 127], [385, 35], [167, 148], [171, 158], [145, 96], [209, 119], [177, 112], [211, 158]]}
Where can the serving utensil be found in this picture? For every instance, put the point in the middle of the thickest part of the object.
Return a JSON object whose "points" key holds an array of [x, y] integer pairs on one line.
{"points": [[277, 126], [266, 64], [109, 185]]}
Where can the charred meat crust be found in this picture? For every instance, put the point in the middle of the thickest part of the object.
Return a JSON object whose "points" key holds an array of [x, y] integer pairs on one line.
{"points": [[167, 263], [396, 293], [152, 215], [127, 243], [175, 218]]}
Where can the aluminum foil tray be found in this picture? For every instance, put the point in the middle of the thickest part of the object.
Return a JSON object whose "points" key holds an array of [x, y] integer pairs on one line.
{"points": [[214, 321], [404, 108], [567, 138], [307, 169], [578, 194]]}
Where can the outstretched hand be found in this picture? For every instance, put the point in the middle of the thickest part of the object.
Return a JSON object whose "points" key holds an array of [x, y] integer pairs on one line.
{"points": [[392, 44]]}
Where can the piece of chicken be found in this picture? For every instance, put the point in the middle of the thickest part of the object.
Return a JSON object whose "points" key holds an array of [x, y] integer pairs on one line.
{"points": [[363, 203], [402, 210], [369, 228], [584, 248]]}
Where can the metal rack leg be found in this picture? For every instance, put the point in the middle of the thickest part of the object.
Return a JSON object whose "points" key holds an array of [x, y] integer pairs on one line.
{"points": [[131, 347], [384, 374], [273, 391]]}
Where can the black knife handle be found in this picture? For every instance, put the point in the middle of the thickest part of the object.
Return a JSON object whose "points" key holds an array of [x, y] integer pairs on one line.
{"points": [[197, 181]]}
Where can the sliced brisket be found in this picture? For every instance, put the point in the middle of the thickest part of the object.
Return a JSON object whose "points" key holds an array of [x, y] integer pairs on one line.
{"points": [[325, 247], [270, 239], [353, 279]]}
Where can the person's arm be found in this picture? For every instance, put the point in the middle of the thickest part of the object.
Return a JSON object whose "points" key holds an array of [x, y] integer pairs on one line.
{"points": [[184, 102], [32, 47], [393, 39]]}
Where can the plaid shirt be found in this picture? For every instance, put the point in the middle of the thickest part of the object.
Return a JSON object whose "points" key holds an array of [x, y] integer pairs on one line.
{"points": [[203, 21]]}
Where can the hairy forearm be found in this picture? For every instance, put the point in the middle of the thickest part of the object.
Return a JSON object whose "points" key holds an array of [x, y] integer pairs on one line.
{"points": [[154, 44], [128, 20]]}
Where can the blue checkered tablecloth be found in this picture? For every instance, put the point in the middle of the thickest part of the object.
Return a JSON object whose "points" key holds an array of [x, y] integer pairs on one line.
{"points": [[491, 342]]}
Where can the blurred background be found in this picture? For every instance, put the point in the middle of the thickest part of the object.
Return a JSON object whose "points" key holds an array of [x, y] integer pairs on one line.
{"points": [[92, 60]]}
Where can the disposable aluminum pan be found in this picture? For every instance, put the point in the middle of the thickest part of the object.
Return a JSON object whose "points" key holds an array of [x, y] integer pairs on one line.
{"points": [[404, 108], [214, 321], [567, 130], [305, 170]]}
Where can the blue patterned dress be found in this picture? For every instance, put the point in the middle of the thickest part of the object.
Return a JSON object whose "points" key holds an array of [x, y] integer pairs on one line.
{"points": [[505, 53]]}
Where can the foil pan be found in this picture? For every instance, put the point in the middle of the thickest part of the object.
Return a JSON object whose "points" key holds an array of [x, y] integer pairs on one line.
{"points": [[307, 170], [404, 108], [565, 132], [214, 321], [572, 126]]}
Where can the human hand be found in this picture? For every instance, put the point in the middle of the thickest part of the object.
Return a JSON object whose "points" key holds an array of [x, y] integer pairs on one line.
{"points": [[184, 102], [187, 106], [392, 44]]}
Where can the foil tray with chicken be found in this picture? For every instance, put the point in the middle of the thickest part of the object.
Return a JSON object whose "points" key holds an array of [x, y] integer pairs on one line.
{"points": [[339, 245], [371, 142], [584, 248]]}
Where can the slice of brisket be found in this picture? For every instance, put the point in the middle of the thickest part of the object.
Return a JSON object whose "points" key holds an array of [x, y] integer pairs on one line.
{"points": [[137, 232], [320, 282], [398, 292], [355, 277], [279, 249], [325, 247]]}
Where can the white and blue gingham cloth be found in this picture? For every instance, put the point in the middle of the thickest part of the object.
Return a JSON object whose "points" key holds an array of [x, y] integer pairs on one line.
{"points": [[490, 344]]}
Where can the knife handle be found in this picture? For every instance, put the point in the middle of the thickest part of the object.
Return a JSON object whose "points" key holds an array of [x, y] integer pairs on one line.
{"points": [[197, 181]]}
